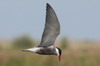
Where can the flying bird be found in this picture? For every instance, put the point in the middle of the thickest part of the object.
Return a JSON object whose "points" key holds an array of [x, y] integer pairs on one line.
{"points": [[50, 33]]}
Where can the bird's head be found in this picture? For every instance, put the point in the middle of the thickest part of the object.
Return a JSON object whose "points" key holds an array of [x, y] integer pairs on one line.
{"points": [[58, 52]]}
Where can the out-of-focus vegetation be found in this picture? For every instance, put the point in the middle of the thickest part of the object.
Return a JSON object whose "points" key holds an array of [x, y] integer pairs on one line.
{"points": [[76, 53], [0, 48], [64, 43], [23, 42]]}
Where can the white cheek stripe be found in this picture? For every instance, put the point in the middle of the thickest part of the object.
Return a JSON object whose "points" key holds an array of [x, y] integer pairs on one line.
{"points": [[57, 51]]}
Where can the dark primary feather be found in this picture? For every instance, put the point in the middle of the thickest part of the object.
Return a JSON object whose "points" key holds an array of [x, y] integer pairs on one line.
{"points": [[52, 27]]}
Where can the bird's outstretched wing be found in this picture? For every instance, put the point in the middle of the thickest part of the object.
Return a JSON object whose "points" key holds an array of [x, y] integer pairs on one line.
{"points": [[52, 27]]}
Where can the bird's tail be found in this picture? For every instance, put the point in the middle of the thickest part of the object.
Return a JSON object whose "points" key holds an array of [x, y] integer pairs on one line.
{"points": [[25, 50]]}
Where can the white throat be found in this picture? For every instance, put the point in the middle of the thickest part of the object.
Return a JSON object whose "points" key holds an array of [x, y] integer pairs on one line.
{"points": [[57, 51]]}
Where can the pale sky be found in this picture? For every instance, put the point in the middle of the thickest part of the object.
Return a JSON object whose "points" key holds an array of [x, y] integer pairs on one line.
{"points": [[79, 19]]}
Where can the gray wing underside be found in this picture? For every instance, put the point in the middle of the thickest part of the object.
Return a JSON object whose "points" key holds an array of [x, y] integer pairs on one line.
{"points": [[52, 27]]}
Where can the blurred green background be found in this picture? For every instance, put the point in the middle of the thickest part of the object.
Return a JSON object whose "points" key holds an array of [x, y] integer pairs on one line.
{"points": [[74, 53]]}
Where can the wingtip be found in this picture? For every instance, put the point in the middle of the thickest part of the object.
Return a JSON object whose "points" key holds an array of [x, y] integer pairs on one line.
{"points": [[48, 5]]}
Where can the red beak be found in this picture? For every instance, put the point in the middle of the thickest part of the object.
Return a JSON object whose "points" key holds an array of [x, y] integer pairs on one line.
{"points": [[59, 57]]}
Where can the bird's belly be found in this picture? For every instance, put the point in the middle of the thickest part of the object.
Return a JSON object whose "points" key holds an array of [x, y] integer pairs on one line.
{"points": [[46, 52]]}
